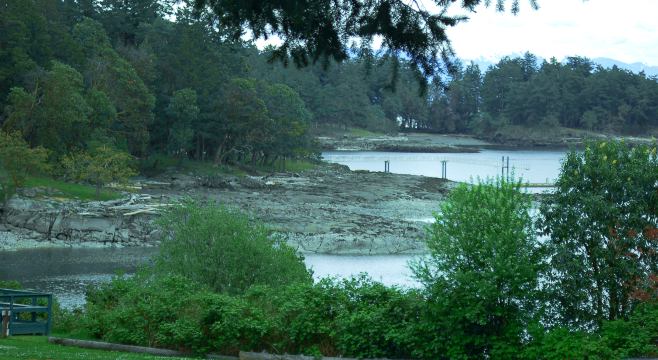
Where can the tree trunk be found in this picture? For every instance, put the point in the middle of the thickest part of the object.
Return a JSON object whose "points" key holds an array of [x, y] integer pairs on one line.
{"points": [[203, 148]]}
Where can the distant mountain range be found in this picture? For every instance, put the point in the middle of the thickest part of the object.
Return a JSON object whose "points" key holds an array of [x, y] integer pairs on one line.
{"points": [[605, 62], [634, 67]]}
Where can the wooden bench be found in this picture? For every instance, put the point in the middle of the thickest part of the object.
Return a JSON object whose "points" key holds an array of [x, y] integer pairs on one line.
{"points": [[25, 312]]}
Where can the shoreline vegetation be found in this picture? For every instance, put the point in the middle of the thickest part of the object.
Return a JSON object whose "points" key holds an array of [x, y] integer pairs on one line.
{"points": [[213, 149], [489, 286], [319, 208]]}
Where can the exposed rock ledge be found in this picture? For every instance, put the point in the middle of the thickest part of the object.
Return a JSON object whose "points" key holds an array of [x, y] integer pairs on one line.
{"points": [[125, 222], [326, 210]]}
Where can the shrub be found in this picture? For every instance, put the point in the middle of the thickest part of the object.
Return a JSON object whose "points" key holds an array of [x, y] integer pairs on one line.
{"points": [[137, 310], [351, 318], [99, 167], [356, 318], [601, 221], [482, 272], [225, 250], [635, 337], [561, 343], [17, 161]]}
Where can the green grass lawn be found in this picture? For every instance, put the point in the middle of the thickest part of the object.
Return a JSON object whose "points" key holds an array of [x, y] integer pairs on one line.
{"points": [[71, 190], [293, 165], [37, 347], [358, 132]]}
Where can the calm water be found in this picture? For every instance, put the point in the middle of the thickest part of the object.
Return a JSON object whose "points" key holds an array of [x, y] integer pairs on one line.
{"points": [[531, 165], [67, 272]]}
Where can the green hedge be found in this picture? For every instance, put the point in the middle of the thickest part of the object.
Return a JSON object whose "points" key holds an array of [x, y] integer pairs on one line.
{"points": [[350, 318]]}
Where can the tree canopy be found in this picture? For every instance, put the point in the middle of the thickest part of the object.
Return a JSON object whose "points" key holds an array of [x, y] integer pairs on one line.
{"points": [[323, 29], [126, 74], [602, 224]]}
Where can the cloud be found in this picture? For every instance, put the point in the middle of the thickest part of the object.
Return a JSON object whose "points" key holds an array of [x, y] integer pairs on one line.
{"points": [[596, 28], [560, 28]]}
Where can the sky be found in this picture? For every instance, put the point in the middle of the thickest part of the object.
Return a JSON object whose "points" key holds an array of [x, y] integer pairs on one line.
{"points": [[625, 30]]}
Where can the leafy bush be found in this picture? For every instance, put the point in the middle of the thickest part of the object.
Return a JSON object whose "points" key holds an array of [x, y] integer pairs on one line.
{"points": [[618, 339], [601, 221], [561, 343], [99, 167], [222, 285], [482, 272], [17, 161], [225, 250], [635, 337], [357, 317], [137, 310]]}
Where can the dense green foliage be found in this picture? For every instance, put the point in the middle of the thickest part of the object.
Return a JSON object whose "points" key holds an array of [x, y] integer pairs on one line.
{"points": [[353, 318], [491, 289], [602, 224], [88, 85], [149, 78], [225, 250], [356, 318], [100, 167], [17, 161], [575, 93], [618, 339], [122, 74], [482, 272]]}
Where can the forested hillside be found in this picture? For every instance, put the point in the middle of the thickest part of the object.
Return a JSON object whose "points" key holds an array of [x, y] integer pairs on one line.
{"points": [[152, 77], [145, 77], [521, 91]]}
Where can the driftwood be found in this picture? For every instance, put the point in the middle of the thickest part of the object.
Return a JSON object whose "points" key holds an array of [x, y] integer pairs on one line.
{"points": [[141, 211], [113, 347], [244, 355], [221, 357], [265, 356]]}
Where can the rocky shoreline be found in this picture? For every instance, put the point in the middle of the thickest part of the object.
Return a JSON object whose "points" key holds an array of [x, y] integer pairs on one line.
{"points": [[31, 221], [512, 137], [328, 210], [404, 142]]}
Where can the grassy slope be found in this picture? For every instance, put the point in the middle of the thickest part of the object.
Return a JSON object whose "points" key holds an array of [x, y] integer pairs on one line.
{"points": [[352, 132], [70, 190], [37, 347], [160, 163], [290, 166], [88, 193]]}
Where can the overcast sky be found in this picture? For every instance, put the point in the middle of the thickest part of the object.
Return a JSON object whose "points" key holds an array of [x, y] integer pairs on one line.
{"points": [[625, 30]]}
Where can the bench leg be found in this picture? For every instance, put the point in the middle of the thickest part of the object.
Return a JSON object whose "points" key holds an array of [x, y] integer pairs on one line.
{"points": [[5, 323]]}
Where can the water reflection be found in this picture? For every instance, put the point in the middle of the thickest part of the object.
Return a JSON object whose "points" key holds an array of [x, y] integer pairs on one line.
{"points": [[531, 165], [67, 272]]}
